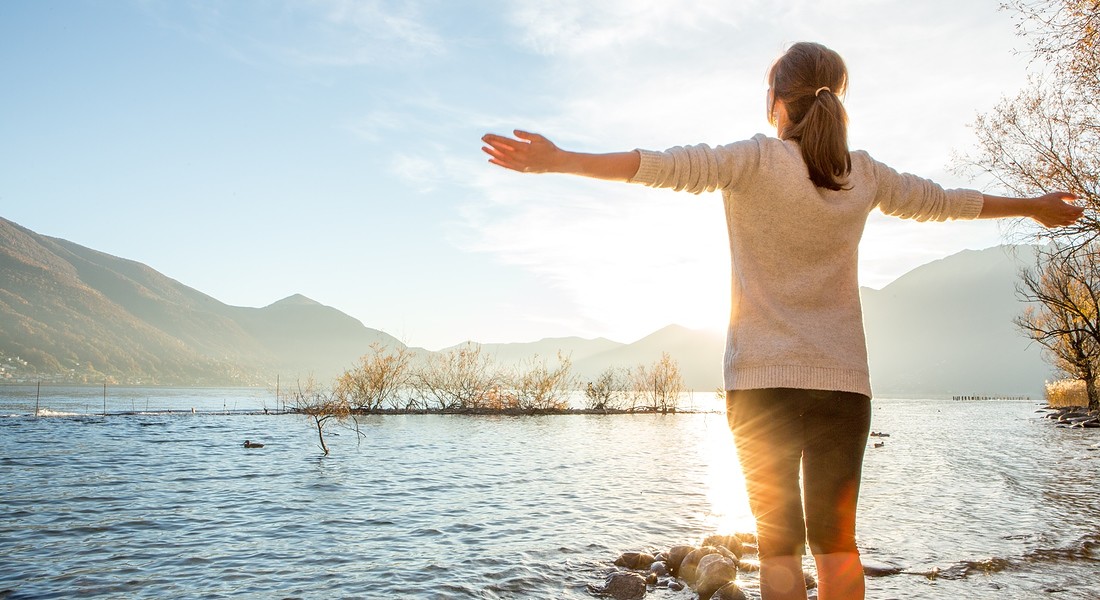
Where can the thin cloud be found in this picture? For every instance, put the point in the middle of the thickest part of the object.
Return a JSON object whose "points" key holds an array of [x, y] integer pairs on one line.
{"points": [[311, 33], [419, 171], [377, 125], [577, 28], [368, 32]]}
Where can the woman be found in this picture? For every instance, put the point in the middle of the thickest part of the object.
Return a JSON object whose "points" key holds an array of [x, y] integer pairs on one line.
{"points": [[796, 375]]}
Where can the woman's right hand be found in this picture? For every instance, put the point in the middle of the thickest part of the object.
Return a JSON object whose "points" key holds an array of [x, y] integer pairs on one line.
{"points": [[1055, 209], [526, 153]]}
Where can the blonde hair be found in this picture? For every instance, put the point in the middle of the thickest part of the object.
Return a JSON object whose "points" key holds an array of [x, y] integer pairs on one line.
{"points": [[810, 79]]}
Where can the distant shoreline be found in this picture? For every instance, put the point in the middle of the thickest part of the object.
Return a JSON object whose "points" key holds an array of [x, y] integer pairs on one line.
{"points": [[479, 412]]}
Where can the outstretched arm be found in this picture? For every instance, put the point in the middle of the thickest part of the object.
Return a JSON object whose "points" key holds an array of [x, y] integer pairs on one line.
{"points": [[533, 153], [1051, 210]]}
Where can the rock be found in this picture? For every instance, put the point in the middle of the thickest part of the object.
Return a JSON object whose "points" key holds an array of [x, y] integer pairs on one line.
{"points": [[714, 572], [730, 591], [675, 585], [729, 542], [621, 585], [659, 568], [873, 569], [676, 556], [1069, 417], [689, 568], [634, 560], [651, 578], [750, 548]]}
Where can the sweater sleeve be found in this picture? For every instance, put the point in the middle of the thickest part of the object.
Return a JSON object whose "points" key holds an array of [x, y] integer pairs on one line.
{"points": [[698, 168], [911, 197]]}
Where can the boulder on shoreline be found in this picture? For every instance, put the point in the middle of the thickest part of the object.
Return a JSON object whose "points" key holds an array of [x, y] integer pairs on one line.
{"points": [[635, 560], [715, 572], [1073, 416], [710, 569], [621, 585]]}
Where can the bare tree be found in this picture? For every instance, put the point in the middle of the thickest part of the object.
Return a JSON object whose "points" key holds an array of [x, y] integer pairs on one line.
{"points": [[659, 385], [460, 379], [1063, 33], [376, 380], [321, 406], [1065, 318], [538, 386], [1045, 139], [608, 391]]}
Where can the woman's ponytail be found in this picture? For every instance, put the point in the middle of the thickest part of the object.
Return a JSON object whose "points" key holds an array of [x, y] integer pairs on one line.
{"points": [[810, 79]]}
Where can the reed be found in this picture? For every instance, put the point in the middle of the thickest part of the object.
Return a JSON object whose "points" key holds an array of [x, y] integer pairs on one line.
{"points": [[1066, 392]]}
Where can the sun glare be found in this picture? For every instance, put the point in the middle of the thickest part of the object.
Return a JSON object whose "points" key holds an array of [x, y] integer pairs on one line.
{"points": [[729, 503]]}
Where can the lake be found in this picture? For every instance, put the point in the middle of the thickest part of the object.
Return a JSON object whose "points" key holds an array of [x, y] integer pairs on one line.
{"points": [[151, 505]]}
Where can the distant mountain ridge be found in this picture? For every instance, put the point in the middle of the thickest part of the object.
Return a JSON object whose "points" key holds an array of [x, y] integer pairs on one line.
{"points": [[946, 328], [72, 313]]}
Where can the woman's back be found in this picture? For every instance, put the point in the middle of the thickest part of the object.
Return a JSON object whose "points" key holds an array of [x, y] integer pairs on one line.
{"points": [[795, 311]]}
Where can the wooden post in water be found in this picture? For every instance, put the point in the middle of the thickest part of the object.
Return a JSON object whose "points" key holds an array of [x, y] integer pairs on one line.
{"points": [[37, 396], [105, 397]]}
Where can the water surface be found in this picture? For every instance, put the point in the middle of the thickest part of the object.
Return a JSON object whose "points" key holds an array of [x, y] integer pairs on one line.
{"points": [[153, 505]]}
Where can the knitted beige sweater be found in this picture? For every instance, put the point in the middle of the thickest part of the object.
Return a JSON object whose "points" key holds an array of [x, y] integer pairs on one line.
{"points": [[795, 316]]}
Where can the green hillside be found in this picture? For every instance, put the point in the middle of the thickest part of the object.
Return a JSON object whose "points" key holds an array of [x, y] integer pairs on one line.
{"points": [[70, 313]]}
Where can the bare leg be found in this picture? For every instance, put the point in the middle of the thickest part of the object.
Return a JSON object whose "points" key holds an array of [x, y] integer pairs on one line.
{"points": [[781, 579], [831, 467], [839, 576]]}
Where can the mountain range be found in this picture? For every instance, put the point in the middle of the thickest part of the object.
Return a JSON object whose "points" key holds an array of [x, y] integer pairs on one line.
{"points": [[70, 313]]}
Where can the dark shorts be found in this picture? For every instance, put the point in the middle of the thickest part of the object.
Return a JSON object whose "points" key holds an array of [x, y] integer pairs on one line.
{"points": [[777, 432]]}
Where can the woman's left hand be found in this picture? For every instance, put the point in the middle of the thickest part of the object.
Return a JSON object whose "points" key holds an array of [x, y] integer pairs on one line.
{"points": [[530, 153]]}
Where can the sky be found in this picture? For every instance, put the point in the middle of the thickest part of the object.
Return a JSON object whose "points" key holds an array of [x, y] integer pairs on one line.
{"points": [[254, 150]]}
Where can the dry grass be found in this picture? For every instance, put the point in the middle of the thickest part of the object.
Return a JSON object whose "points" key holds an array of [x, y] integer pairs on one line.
{"points": [[1066, 392]]}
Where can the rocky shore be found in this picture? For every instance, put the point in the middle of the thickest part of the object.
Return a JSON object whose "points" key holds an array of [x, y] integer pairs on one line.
{"points": [[1072, 416], [726, 567], [710, 569]]}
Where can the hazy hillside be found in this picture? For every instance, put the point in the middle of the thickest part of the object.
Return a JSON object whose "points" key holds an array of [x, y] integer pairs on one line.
{"points": [[698, 351], [946, 328], [576, 348], [72, 313], [306, 336]]}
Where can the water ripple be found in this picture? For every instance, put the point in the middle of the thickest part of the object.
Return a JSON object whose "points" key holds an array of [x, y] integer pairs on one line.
{"points": [[150, 506]]}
